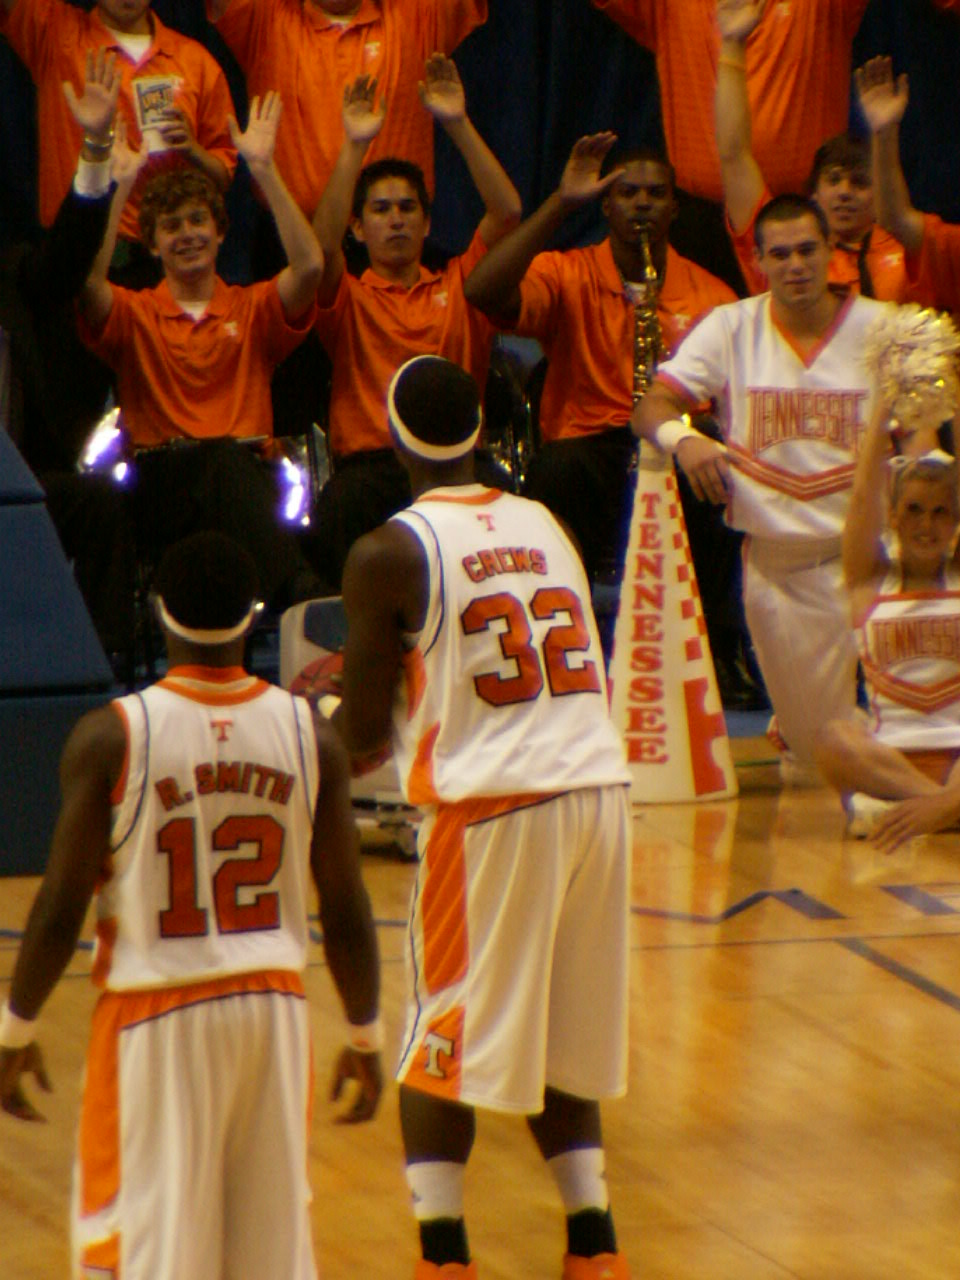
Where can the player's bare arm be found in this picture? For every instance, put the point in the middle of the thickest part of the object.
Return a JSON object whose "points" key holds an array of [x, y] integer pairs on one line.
{"points": [[96, 296], [743, 182], [442, 94], [363, 115], [346, 919], [883, 101], [297, 282], [90, 765], [704, 462], [384, 597], [494, 284]]}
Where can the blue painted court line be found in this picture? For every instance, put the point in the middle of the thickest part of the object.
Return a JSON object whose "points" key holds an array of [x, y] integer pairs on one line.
{"points": [[795, 898], [919, 899], [898, 970]]}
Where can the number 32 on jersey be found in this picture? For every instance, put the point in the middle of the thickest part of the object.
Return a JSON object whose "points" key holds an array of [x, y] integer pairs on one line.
{"points": [[527, 661]]}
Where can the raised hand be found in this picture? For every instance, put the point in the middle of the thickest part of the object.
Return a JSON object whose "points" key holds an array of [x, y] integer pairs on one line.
{"points": [[441, 90], [882, 99], [737, 19], [257, 142], [95, 108], [362, 114], [580, 180], [125, 161], [14, 1064]]}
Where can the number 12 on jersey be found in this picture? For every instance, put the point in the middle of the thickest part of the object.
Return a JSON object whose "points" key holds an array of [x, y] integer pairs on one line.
{"points": [[517, 647]]}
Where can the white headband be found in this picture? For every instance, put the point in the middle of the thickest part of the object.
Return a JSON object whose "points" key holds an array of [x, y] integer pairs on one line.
{"points": [[196, 636], [421, 448]]}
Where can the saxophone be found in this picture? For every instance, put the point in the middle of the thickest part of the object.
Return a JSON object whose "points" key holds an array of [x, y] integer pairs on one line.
{"points": [[647, 334]]}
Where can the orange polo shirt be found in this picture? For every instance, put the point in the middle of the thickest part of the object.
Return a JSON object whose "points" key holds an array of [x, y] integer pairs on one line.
{"points": [[292, 45], [798, 81], [885, 261], [373, 326], [180, 378], [52, 38], [934, 272], [575, 304]]}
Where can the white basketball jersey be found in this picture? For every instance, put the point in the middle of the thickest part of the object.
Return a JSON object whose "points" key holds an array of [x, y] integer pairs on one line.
{"points": [[792, 422], [505, 691], [211, 831], [910, 650]]}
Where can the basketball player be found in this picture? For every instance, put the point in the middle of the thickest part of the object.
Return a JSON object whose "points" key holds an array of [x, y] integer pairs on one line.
{"points": [[788, 373], [194, 810], [906, 608], [470, 638]]}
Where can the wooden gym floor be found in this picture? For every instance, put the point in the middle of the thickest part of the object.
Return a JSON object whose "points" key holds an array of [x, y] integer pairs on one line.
{"points": [[794, 1101]]}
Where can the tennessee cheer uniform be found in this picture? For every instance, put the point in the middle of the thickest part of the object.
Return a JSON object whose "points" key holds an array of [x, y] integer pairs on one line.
{"points": [[519, 917], [910, 649], [792, 425], [202, 1028]]}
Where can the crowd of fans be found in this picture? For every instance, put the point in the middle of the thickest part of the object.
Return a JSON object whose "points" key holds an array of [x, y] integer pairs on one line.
{"points": [[768, 195]]}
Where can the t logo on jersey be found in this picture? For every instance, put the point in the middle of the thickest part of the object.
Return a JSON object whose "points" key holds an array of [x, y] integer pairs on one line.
{"points": [[436, 1045], [486, 519], [223, 728]]}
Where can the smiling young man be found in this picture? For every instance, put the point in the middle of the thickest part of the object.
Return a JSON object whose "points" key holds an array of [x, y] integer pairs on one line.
{"points": [[173, 98], [398, 307], [864, 257], [194, 356], [795, 394]]}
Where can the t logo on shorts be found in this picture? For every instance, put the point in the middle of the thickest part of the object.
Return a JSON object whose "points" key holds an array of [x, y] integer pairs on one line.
{"points": [[436, 1045]]}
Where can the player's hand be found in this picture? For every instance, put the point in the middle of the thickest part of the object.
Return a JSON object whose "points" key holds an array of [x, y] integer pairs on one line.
{"points": [[915, 817], [883, 101], [736, 19], [580, 180], [366, 1070], [706, 466], [362, 114], [257, 142], [125, 161], [441, 90], [95, 109], [14, 1064]]}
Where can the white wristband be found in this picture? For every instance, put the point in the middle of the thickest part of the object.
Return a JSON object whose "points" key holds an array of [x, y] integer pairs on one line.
{"points": [[367, 1038], [669, 434], [16, 1032], [92, 178]]}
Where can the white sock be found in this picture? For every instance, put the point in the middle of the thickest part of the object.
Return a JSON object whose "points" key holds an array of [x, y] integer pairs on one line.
{"points": [[437, 1187], [581, 1178]]}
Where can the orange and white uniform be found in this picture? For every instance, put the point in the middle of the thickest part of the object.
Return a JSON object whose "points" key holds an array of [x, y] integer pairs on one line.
{"points": [[202, 1028], [53, 39], [502, 733], [311, 57], [792, 424], [910, 650]]}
